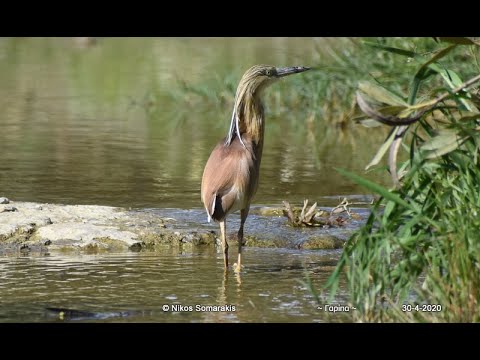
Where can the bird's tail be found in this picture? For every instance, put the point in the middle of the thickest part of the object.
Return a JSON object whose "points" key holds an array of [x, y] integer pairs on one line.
{"points": [[210, 213]]}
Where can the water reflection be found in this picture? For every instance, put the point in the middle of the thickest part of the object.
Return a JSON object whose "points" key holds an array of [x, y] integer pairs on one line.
{"points": [[135, 287]]}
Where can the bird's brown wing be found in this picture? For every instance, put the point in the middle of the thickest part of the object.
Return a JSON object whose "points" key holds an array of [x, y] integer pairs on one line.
{"points": [[226, 177]]}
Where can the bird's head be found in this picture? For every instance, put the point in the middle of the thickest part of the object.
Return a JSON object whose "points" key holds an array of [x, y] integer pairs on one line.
{"points": [[260, 76], [255, 79]]}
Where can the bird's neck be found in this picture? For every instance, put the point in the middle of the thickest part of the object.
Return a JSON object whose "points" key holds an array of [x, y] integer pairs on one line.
{"points": [[252, 121]]}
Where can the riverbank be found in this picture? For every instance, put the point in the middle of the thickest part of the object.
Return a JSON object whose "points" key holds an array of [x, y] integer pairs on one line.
{"points": [[27, 227]]}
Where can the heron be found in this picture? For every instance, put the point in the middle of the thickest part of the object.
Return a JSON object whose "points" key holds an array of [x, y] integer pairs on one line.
{"points": [[231, 174]]}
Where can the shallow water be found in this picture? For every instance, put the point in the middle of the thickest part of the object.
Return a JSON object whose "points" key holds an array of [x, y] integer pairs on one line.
{"points": [[110, 125], [135, 287]]}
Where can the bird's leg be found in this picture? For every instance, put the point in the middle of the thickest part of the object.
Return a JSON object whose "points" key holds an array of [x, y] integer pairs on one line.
{"points": [[224, 242], [243, 216]]}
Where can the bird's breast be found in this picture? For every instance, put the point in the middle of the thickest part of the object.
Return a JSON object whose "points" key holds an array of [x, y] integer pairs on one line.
{"points": [[230, 178]]}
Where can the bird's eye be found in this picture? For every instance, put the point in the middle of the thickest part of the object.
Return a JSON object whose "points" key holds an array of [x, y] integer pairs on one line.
{"points": [[268, 72]]}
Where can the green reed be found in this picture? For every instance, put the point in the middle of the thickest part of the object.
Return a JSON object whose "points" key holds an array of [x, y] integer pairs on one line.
{"points": [[420, 245]]}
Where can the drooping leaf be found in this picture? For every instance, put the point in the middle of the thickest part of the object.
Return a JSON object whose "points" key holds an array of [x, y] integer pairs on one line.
{"points": [[442, 53], [392, 158], [425, 71], [442, 138], [452, 79], [470, 116], [398, 51], [442, 143], [383, 149], [392, 120], [458, 40], [442, 151], [381, 94]]}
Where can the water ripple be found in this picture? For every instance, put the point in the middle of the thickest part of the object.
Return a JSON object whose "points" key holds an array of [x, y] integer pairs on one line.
{"points": [[135, 286]]}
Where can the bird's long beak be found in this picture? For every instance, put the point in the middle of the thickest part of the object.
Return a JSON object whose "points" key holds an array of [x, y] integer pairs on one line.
{"points": [[291, 70]]}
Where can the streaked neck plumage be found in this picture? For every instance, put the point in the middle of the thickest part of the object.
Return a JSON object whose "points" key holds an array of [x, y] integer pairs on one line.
{"points": [[248, 117]]}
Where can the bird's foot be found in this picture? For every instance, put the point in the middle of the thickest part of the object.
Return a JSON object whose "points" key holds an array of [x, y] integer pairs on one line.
{"points": [[238, 268]]}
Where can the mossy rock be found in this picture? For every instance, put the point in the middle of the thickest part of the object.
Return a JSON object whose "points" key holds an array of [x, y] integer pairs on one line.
{"points": [[115, 245], [254, 241], [323, 242], [19, 236], [267, 211], [177, 238]]}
